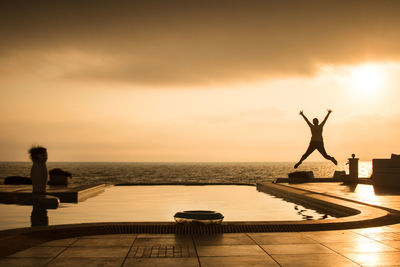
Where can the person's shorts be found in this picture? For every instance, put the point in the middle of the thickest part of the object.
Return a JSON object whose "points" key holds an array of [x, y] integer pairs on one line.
{"points": [[317, 144]]}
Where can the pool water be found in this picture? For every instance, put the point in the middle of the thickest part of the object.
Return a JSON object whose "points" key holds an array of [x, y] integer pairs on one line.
{"points": [[160, 203]]}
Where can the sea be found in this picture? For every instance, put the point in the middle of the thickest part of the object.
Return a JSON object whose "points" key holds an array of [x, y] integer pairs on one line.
{"points": [[180, 172]]}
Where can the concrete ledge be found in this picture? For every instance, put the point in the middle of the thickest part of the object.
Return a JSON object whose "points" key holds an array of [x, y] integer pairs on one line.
{"points": [[309, 200], [326, 180], [181, 183], [313, 180], [22, 194], [350, 211]]}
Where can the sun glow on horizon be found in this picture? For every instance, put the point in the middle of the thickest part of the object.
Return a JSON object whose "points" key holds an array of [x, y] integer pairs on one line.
{"points": [[367, 79]]}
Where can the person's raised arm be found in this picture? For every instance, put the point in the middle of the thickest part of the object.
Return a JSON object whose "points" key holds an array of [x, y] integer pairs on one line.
{"points": [[326, 117], [305, 118]]}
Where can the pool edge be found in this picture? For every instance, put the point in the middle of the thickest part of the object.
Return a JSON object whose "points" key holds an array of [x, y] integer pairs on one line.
{"points": [[362, 215]]}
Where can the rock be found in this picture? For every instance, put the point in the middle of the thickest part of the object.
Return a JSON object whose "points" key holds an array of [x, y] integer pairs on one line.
{"points": [[17, 180], [59, 177], [302, 174], [339, 174], [301, 177]]}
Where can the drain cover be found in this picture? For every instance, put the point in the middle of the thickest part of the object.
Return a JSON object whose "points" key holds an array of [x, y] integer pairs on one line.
{"points": [[163, 251]]}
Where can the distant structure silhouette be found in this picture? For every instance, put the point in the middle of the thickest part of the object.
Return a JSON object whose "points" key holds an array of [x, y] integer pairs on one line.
{"points": [[317, 142], [39, 174]]}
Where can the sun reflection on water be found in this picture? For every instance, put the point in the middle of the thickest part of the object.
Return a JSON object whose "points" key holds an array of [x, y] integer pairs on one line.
{"points": [[364, 169]]}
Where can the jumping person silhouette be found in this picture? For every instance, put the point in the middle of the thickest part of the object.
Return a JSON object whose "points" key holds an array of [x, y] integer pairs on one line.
{"points": [[317, 142]]}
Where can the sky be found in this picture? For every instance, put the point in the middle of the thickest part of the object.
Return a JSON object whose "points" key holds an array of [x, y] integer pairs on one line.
{"points": [[198, 80]]}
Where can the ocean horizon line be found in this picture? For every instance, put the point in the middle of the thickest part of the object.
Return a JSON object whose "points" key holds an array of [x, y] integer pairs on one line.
{"points": [[27, 161]]}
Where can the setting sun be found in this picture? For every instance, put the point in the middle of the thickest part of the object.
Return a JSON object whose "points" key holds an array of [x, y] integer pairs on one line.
{"points": [[367, 79]]}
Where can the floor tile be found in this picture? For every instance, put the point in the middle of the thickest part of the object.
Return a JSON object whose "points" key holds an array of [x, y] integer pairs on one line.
{"points": [[87, 262], [108, 242], [162, 236], [24, 262], [375, 259], [164, 262], [276, 239], [281, 234], [371, 246], [395, 226], [393, 236], [223, 239], [373, 230], [230, 250], [311, 260], [119, 236], [261, 260], [83, 252], [163, 241], [296, 249], [38, 252], [394, 244], [59, 242], [343, 236]]}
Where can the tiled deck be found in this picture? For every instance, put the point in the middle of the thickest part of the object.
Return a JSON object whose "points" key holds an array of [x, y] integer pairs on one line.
{"points": [[365, 247], [358, 247]]}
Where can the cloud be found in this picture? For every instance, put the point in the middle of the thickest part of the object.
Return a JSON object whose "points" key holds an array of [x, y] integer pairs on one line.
{"points": [[244, 118], [189, 42]]}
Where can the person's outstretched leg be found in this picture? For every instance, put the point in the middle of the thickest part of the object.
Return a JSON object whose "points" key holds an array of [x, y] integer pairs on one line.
{"points": [[321, 150], [310, 149]]}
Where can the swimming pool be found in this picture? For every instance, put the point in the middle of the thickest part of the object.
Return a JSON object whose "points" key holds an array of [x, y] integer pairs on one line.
{"points": [[159, 204]]}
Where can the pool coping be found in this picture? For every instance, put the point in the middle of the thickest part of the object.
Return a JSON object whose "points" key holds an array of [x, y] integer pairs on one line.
{"points": [[358, 215]]}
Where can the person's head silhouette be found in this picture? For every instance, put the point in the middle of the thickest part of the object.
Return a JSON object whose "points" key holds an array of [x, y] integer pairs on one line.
{"points": [[315, 121]]}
